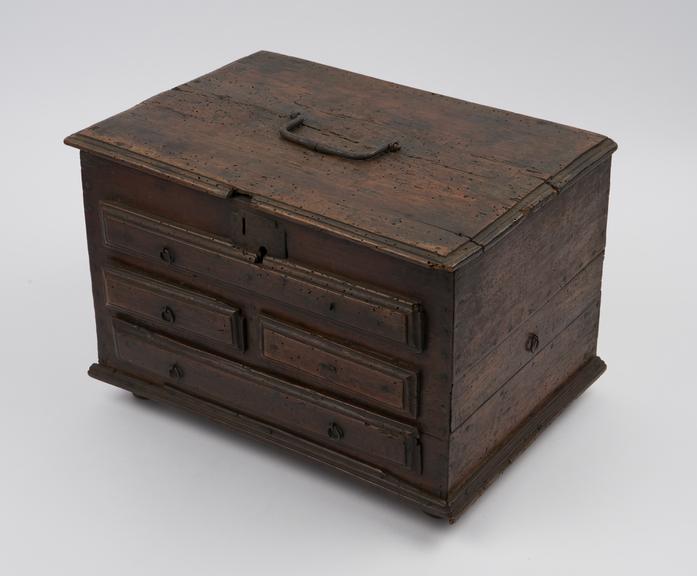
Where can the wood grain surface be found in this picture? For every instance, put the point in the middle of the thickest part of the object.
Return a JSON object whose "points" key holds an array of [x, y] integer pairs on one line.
{"points": [[413, 319], [461, 165]]}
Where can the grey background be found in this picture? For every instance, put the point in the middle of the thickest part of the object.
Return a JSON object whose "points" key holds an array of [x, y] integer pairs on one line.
{"points": [[93, 482]]}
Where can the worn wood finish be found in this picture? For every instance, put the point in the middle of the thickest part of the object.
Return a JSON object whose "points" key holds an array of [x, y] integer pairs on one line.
{"points": [[342, 369], [141, 235], [239, 422], [173, 309], [325, 420], [451, 508], [483, 432], [111, 185], [461, 165], [482, 379], [520, 438], [519, 273], [413, 319]]}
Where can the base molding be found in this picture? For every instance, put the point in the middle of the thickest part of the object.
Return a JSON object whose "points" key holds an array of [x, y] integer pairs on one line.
{"points": [[473, 487], [459, 499]]}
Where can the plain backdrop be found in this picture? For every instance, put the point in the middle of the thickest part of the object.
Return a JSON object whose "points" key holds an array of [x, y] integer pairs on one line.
{"points": [[95, 482]]}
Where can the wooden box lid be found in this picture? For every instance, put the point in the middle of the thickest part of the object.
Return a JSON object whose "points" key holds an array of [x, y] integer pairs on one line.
{"points": [[463, 174]]}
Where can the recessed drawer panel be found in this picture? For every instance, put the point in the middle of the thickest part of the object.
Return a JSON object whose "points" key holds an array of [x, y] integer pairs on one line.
{"points": [[336, 424], [172, 308], [167, 245], [340, 368]]}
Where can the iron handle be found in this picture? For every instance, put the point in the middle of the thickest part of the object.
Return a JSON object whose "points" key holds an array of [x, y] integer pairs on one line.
{"points": [[297, 120]]}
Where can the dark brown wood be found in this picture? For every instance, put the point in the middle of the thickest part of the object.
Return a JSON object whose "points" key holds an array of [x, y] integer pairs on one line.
{"points": [[273, 435], [172, 309], [451, 508], [170, 363], [109, 183], [463, 495], [461, 165], [482, 379], [363, 377], [412, 319], [524, 270], [479, 435], [142, 235]]}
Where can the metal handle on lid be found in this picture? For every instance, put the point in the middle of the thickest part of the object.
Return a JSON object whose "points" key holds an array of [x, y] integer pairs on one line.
{"points": [[297, 120]]}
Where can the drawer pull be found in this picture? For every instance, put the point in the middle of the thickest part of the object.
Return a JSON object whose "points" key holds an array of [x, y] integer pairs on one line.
{"points": [[167, 314], [166, 255], [532, 343], [335, 432], [176, 372]]}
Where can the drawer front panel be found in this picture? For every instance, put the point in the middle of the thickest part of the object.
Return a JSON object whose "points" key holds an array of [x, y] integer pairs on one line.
{"points": [[339, 368], [329, 422], [172, 308], [165, 244]]}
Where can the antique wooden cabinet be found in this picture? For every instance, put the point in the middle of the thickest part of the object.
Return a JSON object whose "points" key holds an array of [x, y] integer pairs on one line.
{"points": [[401, 285]]}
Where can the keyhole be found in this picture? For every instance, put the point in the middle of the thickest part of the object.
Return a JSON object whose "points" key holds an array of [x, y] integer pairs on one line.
{"points": [[261, 253]]}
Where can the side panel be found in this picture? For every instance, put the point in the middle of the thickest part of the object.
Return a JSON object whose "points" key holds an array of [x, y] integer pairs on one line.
{"points": [[481, 434], [491, 372], [513, 278], [515, 306]]}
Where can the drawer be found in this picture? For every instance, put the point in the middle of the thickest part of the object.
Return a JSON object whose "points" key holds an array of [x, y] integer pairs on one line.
{"points": [[165, 244], [332, 423], [172, 308], [339, 368]]}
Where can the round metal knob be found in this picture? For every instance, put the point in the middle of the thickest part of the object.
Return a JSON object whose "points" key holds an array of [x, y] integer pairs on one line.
{"points": [[335, 431], [167, 314], [175, 371], [166, 255]]}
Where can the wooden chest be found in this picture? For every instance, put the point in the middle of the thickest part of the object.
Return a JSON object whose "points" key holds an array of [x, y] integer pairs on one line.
{"points": [[401, 285]]}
